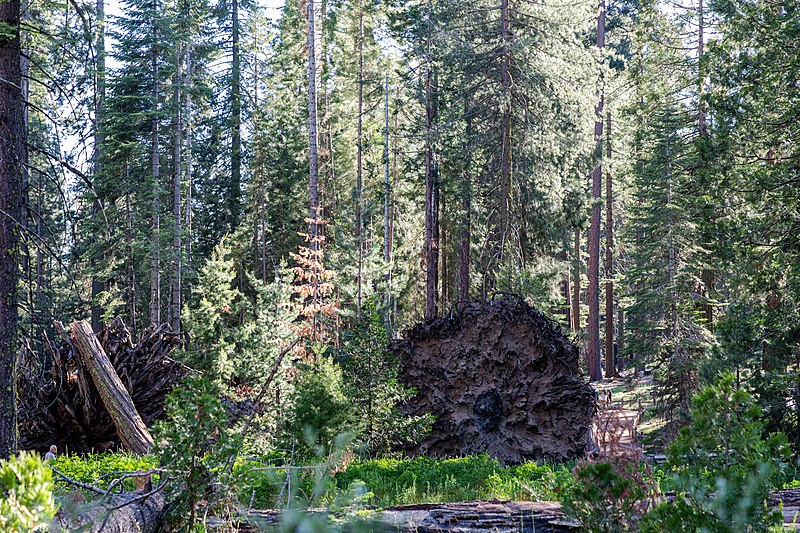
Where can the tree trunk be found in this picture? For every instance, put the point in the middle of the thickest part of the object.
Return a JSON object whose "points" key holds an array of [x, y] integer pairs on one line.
{"points": [[177, 247], [130, 427], [466, 207], [387, 196], [593, 295], [505, 129], [120, 513], [188, 155], [12, 157], [99, 96], [611, 369], [431, 252], [235, 191], [359, 160], [155, 265], [576, 285], [313, 179]]}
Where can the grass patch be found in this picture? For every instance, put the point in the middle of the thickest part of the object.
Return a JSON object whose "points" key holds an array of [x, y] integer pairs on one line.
{"points": [[424, 480]]}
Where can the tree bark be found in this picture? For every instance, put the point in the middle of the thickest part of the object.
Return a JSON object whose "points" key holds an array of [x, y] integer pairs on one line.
{"points": [[99, 97], [431, 251], [593, 295], [387, 196], [611, 369], [235, 190], [12, 158], [505, 128], [177, 247], [120, 513], [576, 285], [155, 265], [313, 179], [131, 429], [359, 160]]}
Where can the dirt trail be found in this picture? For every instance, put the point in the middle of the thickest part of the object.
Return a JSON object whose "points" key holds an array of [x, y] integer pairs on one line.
{"points": [[616, 432]]}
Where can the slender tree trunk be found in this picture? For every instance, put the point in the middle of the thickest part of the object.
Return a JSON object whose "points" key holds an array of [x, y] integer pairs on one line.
{"points": [[313, 180], [387, 196], [466, 206], [442, 247], [505, 128], [12, 158], [707, 276], [431, 252], [609, 267], [131, 267], [576, 285], [155, 266], [99, 97], [359, 160], [235, 192], [671, 243], [593, 296], [177, 247], [188, 156]]}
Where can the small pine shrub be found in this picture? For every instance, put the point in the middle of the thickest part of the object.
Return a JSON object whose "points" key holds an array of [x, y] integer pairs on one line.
{"points": [[26, 494]]}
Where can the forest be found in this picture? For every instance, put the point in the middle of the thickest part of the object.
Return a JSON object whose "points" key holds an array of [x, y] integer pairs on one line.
{"points": [[399, 265]]}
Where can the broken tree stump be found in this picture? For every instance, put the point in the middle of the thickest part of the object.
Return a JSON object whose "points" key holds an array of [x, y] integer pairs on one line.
{"points": [[116, 399], [500, 378]]}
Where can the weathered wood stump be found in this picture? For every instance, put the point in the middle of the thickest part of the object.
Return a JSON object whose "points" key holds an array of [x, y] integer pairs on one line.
{"points": [[501, 379]]}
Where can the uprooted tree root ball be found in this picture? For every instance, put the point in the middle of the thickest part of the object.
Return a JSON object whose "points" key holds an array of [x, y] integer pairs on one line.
{"points": [[61, 405], [501, 379]]}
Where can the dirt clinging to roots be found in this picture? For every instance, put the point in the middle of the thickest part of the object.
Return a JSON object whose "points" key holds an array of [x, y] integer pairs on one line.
{"points": [[501, 379]]}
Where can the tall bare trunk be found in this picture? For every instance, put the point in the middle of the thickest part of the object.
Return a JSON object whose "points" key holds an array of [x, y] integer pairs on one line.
{"points": [[505, 129], [671, 266], [313, 179], [155, 265], [177, 172], [235, 192], [609, 267], [593, 295], [99, 96], [12, 159], [359, 160], [576, 284], [387, 197], [431, 251], [188, 156]]}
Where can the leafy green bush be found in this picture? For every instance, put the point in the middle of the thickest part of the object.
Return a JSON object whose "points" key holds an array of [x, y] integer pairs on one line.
{"points": [[100, 469], [26, 494], [722, 466]]}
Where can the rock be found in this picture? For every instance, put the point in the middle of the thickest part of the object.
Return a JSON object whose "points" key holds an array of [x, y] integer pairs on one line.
{"points": [[501, 379]]}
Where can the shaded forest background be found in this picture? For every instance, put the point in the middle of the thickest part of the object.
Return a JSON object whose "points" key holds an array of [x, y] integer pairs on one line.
{"points": [[630, 168]]}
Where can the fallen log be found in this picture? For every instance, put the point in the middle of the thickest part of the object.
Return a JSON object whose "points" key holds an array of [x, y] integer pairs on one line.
{"points": [[118, 402], [142, 512], [59, 403], [494, 516]]}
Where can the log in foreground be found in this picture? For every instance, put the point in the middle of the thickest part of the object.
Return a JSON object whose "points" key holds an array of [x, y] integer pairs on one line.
{"points": [[495, 516], [501, 379], [132, 432], [119, 513]]}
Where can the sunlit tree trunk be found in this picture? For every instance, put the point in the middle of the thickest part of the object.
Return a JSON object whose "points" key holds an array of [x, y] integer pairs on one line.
{"points": [[593, 295]]}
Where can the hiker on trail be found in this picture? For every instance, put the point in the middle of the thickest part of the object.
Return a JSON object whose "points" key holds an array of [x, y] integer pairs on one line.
{"points": [[51, 453]]}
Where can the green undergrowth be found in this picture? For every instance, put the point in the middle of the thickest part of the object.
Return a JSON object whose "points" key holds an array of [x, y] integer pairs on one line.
{"points": [[379, 482], [425, 480]]}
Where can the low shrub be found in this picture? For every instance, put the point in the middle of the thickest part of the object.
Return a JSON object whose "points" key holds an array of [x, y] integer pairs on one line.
{"points": [[26, 494]]}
